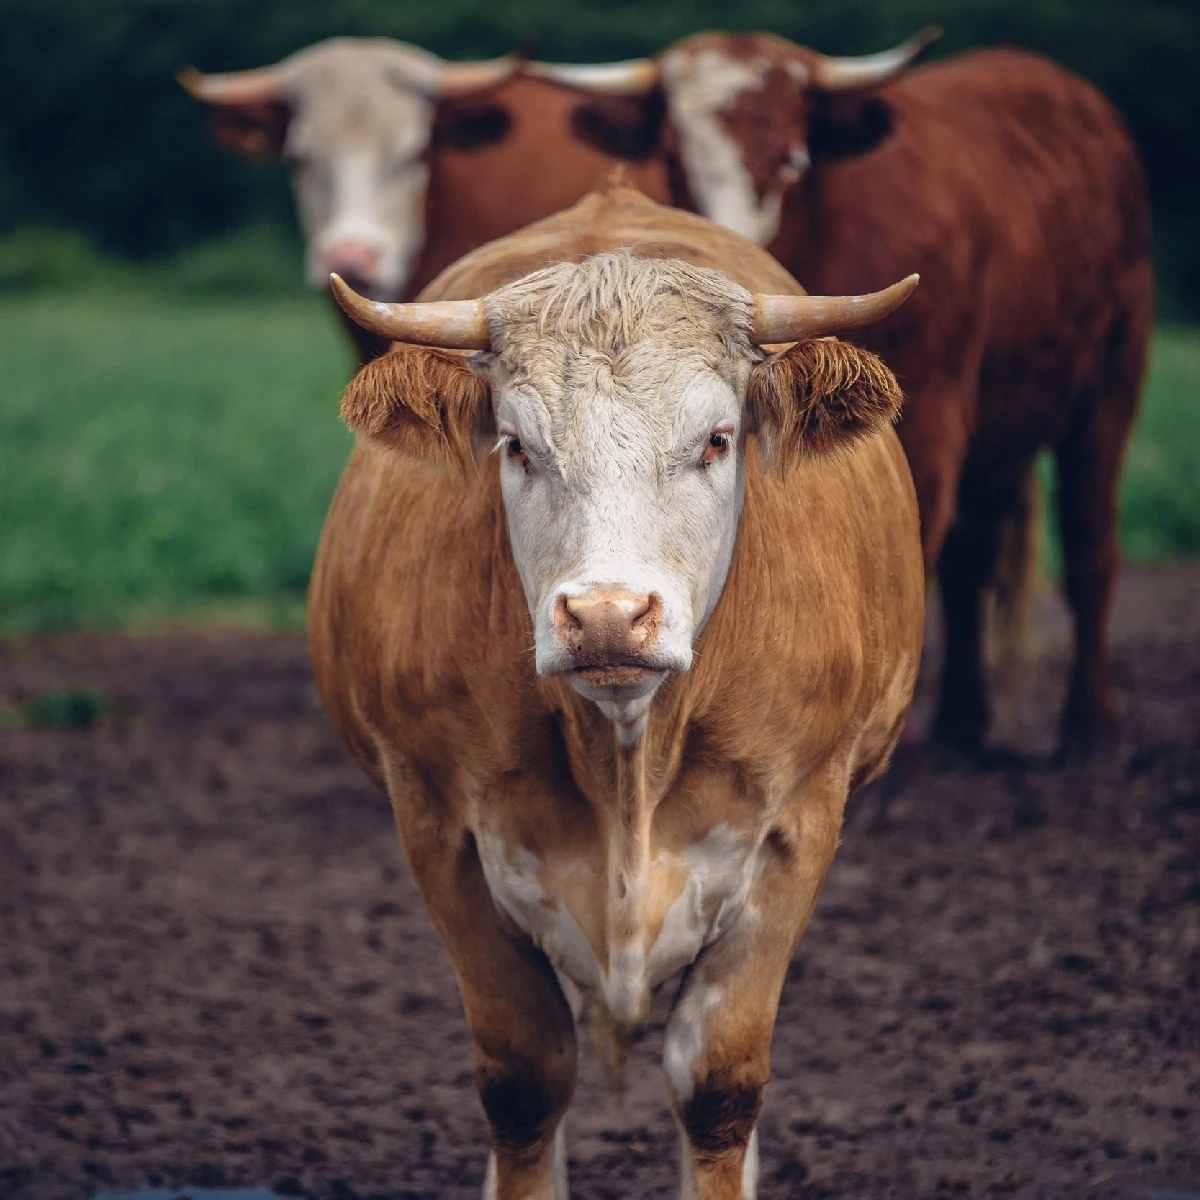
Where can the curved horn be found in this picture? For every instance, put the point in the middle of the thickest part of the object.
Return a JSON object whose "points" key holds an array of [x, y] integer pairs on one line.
{"points": [[778, 319], [459, 77], [844, 74], [629, 78], [451, 324], [233, 87]]}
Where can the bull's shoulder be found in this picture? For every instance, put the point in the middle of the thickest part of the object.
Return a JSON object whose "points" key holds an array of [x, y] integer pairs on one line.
{"points": [[606, 220]]}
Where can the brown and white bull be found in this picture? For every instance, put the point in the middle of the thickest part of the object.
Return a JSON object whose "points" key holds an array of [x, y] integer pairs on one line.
{"points": [[402, 162], [1015, 189], [619, 609]]}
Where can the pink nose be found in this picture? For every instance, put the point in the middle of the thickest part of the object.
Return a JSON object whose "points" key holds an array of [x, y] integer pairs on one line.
{"points": [[608, 628], [354, 261]]}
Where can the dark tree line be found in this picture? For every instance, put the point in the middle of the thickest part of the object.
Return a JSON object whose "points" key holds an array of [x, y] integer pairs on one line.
{"points": [[96, 135]]}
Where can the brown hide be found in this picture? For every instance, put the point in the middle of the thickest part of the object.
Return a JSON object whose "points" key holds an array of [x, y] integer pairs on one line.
{"points": [[536, 168], [629, 219], [420, 638], [1015, 191], [1013, 188]]}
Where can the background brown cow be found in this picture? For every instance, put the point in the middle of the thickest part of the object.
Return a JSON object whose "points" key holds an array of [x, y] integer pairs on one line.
{"points": [[1015, 190]]}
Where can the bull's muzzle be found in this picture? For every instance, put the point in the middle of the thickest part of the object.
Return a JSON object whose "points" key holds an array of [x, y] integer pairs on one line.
{"points": [[609, 634]]}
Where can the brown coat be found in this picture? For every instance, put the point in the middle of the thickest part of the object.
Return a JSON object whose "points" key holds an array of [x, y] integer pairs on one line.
{"points": [[420, 638]]}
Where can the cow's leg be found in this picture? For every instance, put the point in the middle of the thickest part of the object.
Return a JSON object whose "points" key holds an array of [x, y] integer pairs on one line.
{"points": [[717, 1044], [1089, 466], [934, 433], [522, 1030], [964, 568]]}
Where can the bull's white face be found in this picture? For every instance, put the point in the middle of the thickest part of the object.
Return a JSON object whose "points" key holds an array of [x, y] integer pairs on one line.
{"points": [[622, 476], [360, 178]]}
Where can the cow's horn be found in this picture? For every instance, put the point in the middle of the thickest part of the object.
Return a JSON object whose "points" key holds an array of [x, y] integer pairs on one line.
{"points": [[458, 78], [629, 78], [844, 74], [234, 87], [453, 324], [778, 319]]}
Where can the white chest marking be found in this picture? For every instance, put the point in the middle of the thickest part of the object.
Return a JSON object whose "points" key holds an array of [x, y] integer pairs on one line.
{"points": [[512, 878], [721, 867], [718, 873]]}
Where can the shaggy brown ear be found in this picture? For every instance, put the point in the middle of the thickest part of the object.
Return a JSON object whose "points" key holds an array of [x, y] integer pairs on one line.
{"points": [[819, 397], [422, 403]]}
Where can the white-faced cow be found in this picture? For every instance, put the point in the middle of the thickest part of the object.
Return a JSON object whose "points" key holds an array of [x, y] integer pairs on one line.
{"points": [[1015, 189], [401, 162], [619, 609]]}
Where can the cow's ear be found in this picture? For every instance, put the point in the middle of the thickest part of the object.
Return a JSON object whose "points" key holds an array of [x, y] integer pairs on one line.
{"points": [[628, 127], [254, 129], [819, 397], [424, 404], [846, 124]]}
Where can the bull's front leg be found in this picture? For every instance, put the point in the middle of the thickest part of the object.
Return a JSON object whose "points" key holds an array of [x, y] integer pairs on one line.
{"points": [[522, 1029], [717, 1048]]}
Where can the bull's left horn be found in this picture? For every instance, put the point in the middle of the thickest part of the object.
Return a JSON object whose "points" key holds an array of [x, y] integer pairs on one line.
{"points": [[778, 319], [459, 78], [451, 324], [845, 74], [233, 87], [629, 78]]}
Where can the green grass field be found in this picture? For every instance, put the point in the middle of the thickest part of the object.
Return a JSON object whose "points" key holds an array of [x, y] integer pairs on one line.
{"points": [[167, 461], [162, 460]]}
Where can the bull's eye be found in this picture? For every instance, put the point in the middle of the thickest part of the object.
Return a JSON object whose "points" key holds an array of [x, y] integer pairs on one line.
{"points": [[511, 447], [716, 447]]}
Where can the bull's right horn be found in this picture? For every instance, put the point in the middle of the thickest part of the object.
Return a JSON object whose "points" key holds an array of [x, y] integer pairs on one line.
{"points": [[632, 77], [233, 87], [451, 324], [778, 319], [869, 70], [460, 78]]}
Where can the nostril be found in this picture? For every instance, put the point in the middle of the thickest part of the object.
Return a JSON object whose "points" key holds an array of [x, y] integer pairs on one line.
{"points": [[645, 625], [566, 617], [649, 611]]}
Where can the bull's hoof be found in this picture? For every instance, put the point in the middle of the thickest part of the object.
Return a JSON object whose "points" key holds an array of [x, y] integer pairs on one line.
{"points": [[955, 743], [1086, 741], [972, 755], [960, 725]]}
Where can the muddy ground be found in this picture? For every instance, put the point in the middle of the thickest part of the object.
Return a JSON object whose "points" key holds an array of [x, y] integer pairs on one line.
{"points": [[214, 968]]}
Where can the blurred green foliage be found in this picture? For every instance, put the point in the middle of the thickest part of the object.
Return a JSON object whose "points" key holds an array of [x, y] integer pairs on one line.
{"points": [[73, 708], [259, 258], [96, 136], [164, 458]]}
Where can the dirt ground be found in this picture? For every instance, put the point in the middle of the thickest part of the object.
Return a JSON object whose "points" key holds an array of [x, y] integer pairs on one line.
{"points": [[214, 968]]}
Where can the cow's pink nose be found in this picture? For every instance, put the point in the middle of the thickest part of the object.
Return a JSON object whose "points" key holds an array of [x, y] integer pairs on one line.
{"points": [[608, 628], [355, 261]]}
